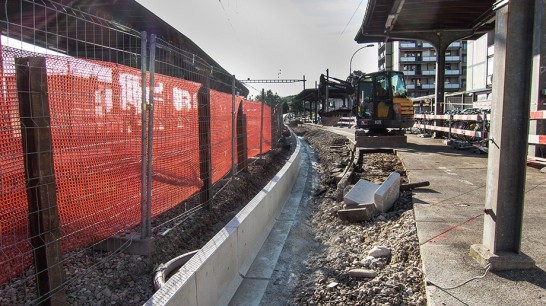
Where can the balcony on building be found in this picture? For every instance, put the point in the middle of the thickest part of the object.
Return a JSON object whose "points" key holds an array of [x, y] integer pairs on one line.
{"points": [[429, 58], [407, 45], [408, 58], [453, 72], [429, 72], [452, 86], [409, 72], [428, 86], [410, 86], [455, 44], [453, 58], [427, 45]]}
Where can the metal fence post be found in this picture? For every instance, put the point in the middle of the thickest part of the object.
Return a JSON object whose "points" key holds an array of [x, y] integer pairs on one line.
{"points": [[203, 101], [233, 129], [242, 145], [150, 137], [31, 76], [144, 210], [262, 124]]}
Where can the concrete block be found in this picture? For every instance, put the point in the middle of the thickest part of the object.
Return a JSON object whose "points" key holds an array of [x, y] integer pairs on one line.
{"points": [[501, 261], [362, 192], [387, 193], [358, 213]]}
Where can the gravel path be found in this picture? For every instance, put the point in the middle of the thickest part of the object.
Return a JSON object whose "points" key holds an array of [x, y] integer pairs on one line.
{"points": [[341, 246]]}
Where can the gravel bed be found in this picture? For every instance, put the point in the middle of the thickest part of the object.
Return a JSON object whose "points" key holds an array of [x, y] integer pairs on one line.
{"points": [[343, 246]]}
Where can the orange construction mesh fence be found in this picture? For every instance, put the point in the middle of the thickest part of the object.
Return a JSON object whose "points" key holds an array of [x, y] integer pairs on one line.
{"points": [[15, 249], [175, 153], [252, 110], [221, 133], [96, 131]]}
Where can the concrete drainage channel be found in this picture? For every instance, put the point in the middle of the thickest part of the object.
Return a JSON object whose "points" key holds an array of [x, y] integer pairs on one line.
{"points": [[213, 274]]}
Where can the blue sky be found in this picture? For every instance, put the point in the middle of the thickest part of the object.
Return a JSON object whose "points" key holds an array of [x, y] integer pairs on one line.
{"points": [[265, 39]]}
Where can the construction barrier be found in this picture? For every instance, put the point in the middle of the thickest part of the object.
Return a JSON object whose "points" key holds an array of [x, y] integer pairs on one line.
{"points": [[96, 111]]}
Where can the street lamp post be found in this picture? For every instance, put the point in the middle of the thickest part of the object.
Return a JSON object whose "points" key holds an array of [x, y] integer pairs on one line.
{"points": [[351, 63]]}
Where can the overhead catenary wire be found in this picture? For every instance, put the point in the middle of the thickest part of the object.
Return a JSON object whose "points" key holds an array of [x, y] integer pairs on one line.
{"points": [[350, 19]]}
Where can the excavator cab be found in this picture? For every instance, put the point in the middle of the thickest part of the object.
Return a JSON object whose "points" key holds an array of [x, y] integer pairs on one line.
{"points": [[382, 101]]}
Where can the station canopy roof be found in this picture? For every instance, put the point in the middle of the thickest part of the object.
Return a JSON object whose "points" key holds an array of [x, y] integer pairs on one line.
{"points": [[390, 20]]}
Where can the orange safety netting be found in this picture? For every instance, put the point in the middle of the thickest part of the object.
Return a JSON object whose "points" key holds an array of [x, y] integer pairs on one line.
{"points": [[96, 129], [175, 142], [252, 110], [221, 133], [15, 249]]}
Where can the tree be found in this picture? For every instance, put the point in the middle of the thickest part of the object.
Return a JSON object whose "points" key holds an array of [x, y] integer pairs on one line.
{"points": [[270, 98]]}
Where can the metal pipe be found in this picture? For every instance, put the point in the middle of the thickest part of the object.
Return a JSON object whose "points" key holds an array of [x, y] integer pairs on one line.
{"points": [[143, 201], [150, 135]]}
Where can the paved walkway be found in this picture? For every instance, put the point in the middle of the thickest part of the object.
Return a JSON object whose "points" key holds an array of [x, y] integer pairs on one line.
{"points": [[449, 218]]}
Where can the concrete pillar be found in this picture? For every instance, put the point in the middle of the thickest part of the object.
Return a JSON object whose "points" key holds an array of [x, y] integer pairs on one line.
{"points": [[538, 82], [441, 48], [508, 149]]}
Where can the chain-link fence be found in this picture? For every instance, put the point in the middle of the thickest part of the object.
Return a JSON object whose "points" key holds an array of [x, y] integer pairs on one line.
{"points": [[96, 142]]}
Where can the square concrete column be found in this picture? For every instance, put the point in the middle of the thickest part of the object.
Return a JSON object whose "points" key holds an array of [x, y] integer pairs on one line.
{"points": [[508, 148]]}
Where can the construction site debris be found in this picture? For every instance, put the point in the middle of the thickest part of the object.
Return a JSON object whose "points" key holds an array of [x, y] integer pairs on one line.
{"points": [[411, 186], [379, 251], [362, 273]]}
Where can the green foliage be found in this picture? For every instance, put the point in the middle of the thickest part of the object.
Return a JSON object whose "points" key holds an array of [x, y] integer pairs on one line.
{"points": [[353, 78], [270, 98]]}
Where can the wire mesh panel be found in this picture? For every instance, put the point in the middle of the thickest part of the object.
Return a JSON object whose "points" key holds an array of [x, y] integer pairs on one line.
{"points": [[266, 138], [95, 127], [221, 133], [97, 133], [15, 250], [175, 141], [102, 153], [252, 110]]}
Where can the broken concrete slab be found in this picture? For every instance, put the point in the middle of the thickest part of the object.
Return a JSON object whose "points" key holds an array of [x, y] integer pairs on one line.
{"points": [[358, 213], [387, 193], [362, 192]]}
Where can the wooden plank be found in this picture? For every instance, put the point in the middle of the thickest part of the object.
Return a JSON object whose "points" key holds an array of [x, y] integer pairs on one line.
{"points": [[40, 179]]}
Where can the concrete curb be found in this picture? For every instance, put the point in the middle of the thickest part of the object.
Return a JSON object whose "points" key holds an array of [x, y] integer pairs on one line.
{"points": [[213, 274]]}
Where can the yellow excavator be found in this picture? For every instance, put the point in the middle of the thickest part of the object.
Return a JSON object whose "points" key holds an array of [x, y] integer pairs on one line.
{"points": [[382, 109]]}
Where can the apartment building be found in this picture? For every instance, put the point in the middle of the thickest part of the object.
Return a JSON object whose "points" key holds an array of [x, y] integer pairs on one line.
{"points": [[417, 59]]}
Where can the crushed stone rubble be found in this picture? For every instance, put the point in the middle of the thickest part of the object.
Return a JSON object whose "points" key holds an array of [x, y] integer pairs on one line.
{"points": [[376, 262]]}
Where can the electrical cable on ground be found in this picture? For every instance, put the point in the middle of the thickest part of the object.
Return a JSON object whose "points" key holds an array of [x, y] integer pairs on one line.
{"points": [[487, 268]]}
